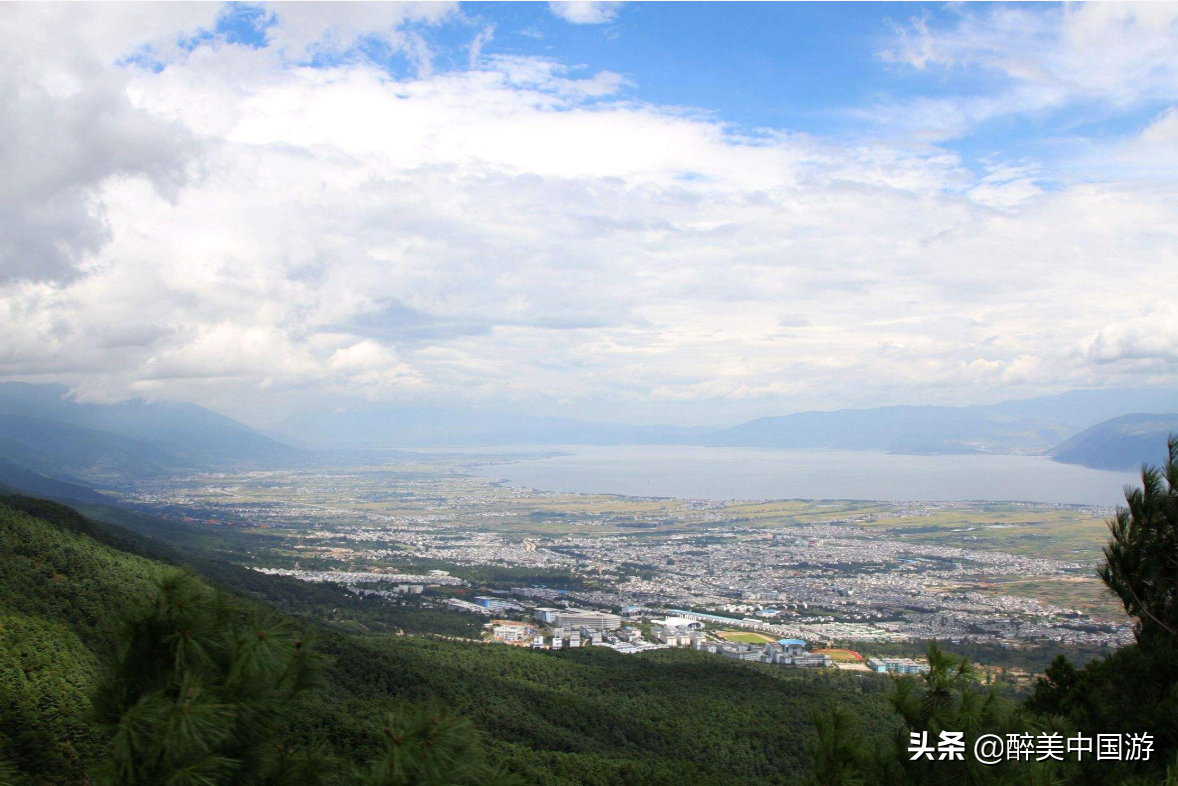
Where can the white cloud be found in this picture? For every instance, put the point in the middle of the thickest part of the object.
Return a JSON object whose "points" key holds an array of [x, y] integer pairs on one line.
{"points": [[1163, 131], [585, 12], [481, 39], [1153, 153], [1119, 55], [526, 232], [302, 30], [74, 127], [1151, 338], [1006, 186]]}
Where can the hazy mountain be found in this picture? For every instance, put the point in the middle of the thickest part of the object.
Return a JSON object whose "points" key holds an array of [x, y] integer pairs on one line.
{"points": [[443, 427], [1019, 426], [150, 437], [162, 433], [1119, 443], [18, 479], [1083, 408], [71, 452], [898, 429]]}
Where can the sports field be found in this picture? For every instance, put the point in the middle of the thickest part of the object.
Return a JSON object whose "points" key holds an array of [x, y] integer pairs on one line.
{"points": [[745, 637], [842, 656]]}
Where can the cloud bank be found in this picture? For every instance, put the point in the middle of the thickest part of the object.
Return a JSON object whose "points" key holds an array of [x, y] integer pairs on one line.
{"points": [[255, 227]]}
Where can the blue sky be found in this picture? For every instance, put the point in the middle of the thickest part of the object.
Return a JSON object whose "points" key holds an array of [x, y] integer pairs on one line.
{"points": [[675, 212], [806, 68], [755, 64]]}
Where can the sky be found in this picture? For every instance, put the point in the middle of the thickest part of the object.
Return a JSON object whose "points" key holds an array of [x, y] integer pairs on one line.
{"points": [[685, 213]]}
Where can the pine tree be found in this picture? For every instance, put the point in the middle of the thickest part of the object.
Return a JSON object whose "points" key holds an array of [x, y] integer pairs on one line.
{"points": [[948, 697], [430, 746], [836, 754], [1141, 559], [197, 690], [9, 775]]}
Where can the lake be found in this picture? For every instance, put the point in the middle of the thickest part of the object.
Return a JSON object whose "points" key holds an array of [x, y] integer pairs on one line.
{"points": [[761, 473]]}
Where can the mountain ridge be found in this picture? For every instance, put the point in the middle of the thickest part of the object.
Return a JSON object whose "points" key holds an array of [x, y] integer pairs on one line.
{"points": [[1124, 442], [51, 433], [1030, 426], [146, 438]]}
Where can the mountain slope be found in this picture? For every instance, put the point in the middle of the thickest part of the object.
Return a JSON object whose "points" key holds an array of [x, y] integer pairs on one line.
{"points": [[59, 590], [1017, 426], [23, 480], [72, 452], [169, 434], [1079, 409], [577, 717], [1120, 443]]}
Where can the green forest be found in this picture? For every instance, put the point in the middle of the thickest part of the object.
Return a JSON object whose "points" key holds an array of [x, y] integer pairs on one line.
{"points": [[128, 659]]}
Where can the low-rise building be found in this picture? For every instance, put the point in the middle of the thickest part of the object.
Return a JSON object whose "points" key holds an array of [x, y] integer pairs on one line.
{"points": [[454, 604], [679, 622], [497, 604], [537, 592], [741, 652], [508, 633], [590, 636], [811, 659], [676, 637], [896, 666], [792, 647], [596, 620]]}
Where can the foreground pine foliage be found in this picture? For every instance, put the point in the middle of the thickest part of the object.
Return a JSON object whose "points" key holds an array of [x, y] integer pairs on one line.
{"points": [[202, 686]]}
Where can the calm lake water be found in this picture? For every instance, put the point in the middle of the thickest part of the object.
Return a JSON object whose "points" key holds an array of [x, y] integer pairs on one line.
{"points": [[757, 473]]}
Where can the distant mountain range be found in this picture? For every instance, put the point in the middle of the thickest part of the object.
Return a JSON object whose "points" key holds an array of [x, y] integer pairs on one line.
{"points": [[1119, 443], [903, 429], [53, 445], [1022, 426], [376, 426], [46, 432], [1019, 426]]}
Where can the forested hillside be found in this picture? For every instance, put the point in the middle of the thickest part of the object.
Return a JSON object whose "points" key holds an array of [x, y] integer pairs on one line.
{"points": [[59, 589], [573, 717], [44, 429], [84, 605]]}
